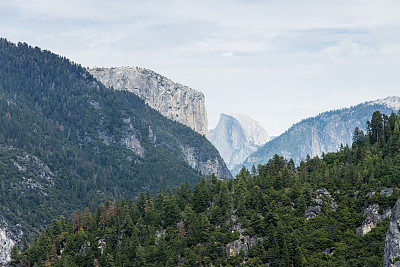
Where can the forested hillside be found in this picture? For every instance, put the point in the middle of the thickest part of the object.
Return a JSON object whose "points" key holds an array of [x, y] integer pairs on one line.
{"points": [[320, 134], [67, 142], [277, 213]]}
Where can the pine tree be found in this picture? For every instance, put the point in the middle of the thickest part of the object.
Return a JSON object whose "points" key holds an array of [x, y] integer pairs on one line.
{"points": [[200, 196]]}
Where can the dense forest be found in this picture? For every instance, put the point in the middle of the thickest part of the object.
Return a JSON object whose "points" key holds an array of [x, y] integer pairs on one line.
{"points": [[261, 217], [67, 142]]}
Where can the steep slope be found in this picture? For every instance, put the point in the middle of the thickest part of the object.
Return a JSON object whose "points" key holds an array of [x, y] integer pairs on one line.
{"points": [[321, 134], [175, 101], [281, 216], [392, 241], [237, 136], [67, 141]]}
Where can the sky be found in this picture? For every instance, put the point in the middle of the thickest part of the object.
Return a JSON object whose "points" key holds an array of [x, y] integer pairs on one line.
{"points": [[277, 61]]}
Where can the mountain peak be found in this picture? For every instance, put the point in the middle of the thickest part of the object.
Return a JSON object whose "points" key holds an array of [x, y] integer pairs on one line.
{"points": [[392, 102], [236, 136], [252, 129]]}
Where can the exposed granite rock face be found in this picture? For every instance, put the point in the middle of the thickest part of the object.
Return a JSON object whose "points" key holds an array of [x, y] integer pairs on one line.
{"points": [[387, 192], [236, 137], [329, 251], [323, 195], [206, 167], [10, 234], [244, 243], [373, 216], [392, 241], [312, 212], [131, 140], [6, 243], [321, 134], [36, 178], [372, 219], [174, 101]]}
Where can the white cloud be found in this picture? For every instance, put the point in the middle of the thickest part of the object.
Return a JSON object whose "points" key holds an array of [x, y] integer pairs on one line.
{"points": [[227, 54]]}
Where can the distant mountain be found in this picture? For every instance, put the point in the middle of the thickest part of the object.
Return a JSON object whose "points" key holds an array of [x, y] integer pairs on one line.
{"points": [[323, 133], [68, 142], [173, 100], [237, 136]]}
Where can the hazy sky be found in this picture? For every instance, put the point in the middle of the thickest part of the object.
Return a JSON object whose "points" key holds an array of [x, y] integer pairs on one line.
{"points": [[278, 61]]}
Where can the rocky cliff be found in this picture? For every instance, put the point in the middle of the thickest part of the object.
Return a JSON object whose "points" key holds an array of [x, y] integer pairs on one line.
{"points": [[6, 243], [67, 142], [392, 241], [374, 213], [373, 217], [175, 101], [237, 136], [321, 134]]}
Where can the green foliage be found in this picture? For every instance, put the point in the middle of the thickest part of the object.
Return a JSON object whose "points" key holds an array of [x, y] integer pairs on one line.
{"points": [[53, 111], [56, 118], [317, 127], [195, 229]]}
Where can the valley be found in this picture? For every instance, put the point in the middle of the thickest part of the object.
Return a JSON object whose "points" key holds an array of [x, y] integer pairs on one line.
{"points": [[112, 167]]}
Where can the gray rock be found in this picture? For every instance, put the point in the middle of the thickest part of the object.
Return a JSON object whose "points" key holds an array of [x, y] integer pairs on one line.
{"points": [[236, 137], [175, 101], [6, 244], [318, 201], [323, 193], [83, 248], [372, 218], [244, 243], [321, 134], [329, 251], [206, 167], [387, 192], [322, 196], [312, 212], [392, 241]]}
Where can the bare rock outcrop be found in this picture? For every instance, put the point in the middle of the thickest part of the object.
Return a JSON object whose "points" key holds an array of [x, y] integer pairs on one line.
{"points": [[6, 243], [323, 195], [206, 166], [373, 217], [174, 101], [244, 243], [237, 136], [392, 241]]}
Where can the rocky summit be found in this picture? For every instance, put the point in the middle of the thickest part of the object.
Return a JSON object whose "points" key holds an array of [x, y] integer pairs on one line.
{"points": [[320, 134], [236, 136], [175, 101]]}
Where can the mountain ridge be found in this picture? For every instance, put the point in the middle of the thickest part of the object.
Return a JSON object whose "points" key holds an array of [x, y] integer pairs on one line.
{"points": [[320, 134]]}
